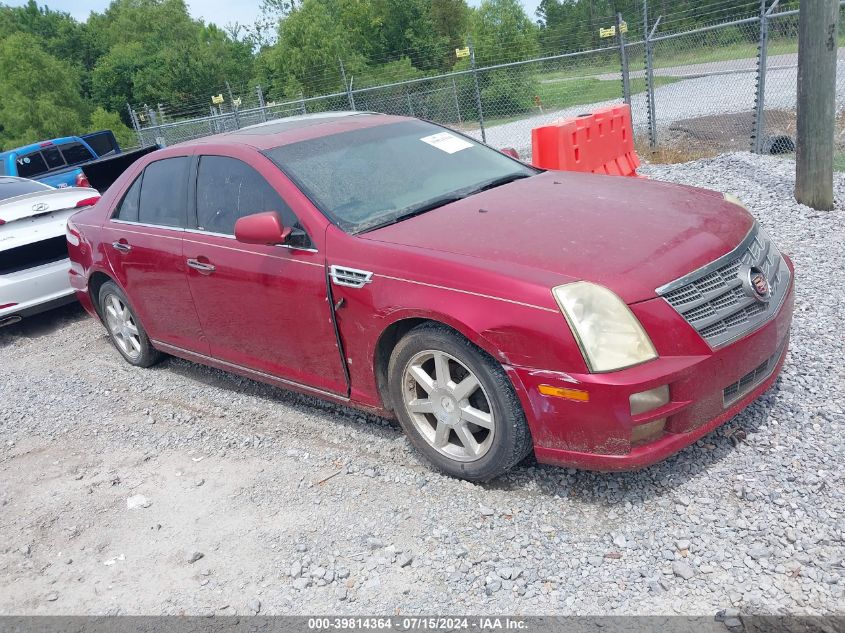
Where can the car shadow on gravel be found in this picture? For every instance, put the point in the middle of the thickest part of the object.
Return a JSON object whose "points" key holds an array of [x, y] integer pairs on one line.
{"points": [[701, 459], [302, 403], [42, 324]]}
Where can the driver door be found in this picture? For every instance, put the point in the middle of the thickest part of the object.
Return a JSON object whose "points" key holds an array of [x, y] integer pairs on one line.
{"points": [[261, 307]]}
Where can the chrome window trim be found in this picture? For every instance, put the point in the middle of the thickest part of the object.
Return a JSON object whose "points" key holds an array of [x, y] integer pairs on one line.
{"points": [[149, 226], [233, 238]]}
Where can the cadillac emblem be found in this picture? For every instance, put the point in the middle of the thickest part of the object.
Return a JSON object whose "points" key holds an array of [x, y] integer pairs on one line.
{"points": [[758, 284]]}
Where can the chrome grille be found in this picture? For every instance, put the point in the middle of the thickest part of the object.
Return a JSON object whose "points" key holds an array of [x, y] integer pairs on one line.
{"points": [[714, 299]]}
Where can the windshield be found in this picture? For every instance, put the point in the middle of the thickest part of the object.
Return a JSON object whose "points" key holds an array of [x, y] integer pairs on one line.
{"points": [[13, 187], [375, 176]]}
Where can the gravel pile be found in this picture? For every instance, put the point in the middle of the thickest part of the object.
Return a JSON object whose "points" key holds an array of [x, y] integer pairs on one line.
{"points": [[182, 489]]}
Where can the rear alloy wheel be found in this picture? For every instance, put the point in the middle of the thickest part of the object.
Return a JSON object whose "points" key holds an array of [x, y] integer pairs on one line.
{"points": [[456, 404], [124, 329]]}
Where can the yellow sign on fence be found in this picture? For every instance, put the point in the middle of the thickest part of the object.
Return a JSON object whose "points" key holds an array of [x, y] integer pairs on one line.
{"points": [[611, 31], [462, 52], [217, 99]]}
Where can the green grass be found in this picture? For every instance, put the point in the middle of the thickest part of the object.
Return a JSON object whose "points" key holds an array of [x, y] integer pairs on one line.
{"points": [[668, 54], [583, 91], [839, 162], [578, 92]]}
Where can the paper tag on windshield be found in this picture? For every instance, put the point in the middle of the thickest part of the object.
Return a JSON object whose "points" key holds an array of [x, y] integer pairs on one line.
{"points": [[446, 142]]}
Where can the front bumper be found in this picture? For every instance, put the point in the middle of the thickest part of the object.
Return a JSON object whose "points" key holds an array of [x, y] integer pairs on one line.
{"points": [[706, 390], [35, 290]]}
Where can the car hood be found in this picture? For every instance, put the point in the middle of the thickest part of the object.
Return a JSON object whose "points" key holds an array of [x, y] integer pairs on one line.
{"points": [[629, 234]]}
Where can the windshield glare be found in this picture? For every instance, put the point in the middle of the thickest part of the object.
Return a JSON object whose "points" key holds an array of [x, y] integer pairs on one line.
{"points": [[369, 177]]}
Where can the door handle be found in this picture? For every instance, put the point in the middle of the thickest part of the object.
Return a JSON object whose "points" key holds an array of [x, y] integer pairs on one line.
{"points": [[122, 247], [201, 266]]}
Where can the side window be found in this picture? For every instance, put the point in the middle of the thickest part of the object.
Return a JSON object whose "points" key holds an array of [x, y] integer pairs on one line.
{"points": [[53, 157], [228, 189], [128, 209], [31, 165], [76, 153], [163, 192]]}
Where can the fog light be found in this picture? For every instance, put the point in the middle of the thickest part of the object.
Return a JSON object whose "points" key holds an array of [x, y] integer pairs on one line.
{"points": [[649, 400], [648, 431]]}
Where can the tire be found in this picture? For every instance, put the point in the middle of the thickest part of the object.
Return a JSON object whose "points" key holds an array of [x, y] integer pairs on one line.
{"points": [[470, 431], [125, 329]]}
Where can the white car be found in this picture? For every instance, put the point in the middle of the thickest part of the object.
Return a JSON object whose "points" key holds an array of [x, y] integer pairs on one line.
{"points": [[33, 248]]}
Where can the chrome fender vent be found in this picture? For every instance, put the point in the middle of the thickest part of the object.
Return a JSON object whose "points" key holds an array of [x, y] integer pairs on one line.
{"points": [[350, 277]]}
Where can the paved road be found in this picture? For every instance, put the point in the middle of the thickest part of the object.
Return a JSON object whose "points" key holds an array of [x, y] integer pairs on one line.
{"points": [[698, 96], [746, 64]]}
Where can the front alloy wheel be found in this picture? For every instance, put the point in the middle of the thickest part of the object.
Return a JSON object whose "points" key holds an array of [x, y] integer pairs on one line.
{"points": [[448, 406], [456, 404]]}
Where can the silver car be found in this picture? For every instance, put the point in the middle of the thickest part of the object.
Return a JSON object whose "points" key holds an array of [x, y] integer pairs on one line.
{"points": [[33, 248]]}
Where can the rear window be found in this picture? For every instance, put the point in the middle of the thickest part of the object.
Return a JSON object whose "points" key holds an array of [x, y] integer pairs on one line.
{"points": [[163, 192], [31, 165], [103, 143], [12, 187], [76, 153], [53, 157], [128, 209]]}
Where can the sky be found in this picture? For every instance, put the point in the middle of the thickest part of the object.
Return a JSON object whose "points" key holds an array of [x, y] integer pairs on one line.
{"points": [[220, 12]]}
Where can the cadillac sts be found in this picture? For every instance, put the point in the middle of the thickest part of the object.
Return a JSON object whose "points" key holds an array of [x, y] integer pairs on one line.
{"points": [[495, 309]]}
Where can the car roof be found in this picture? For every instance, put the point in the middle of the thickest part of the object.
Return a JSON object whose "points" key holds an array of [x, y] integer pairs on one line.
{"points": [[296, 128]]}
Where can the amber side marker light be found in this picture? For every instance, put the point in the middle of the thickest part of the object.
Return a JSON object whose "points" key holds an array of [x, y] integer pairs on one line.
{"points": [[579, 395]]}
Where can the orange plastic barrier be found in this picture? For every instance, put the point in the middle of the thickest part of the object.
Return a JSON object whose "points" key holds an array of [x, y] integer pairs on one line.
{"points": [[601, 143]]}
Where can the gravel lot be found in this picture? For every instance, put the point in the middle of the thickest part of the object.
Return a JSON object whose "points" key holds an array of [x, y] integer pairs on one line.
{"points": [[250, 499]]}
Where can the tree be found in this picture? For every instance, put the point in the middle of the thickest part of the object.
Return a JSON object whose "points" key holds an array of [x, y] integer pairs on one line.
{"points": [[312, 41], [40, 94], [502, 32], [155, 52]]}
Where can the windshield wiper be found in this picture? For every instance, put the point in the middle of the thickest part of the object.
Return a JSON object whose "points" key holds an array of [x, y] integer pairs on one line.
{"points": [[498, 182], [409, 212]]}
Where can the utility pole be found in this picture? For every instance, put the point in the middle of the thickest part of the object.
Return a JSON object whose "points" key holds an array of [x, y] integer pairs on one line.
{"points": [[817, 48]]}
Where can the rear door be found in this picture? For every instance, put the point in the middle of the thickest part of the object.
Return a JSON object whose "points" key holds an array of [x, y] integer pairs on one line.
{"points": [[144, 242], [261, 306]]}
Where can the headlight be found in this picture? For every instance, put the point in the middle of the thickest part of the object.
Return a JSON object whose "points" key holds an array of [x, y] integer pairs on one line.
{"points": [[734, 200], [609, 335]]}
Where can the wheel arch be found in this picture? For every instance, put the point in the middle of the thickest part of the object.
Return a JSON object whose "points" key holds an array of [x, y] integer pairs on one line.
{"points": [[400, 326], [95, 282]]}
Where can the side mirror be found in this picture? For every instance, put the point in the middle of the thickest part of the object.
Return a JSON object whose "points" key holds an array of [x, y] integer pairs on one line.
{"points": [[510, 151], [261, 228]]}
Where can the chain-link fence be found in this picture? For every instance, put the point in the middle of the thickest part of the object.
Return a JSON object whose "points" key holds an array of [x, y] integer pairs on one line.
{"points": [[720, 87]]}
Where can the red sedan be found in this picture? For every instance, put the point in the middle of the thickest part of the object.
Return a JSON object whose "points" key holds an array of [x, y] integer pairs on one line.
{"points": [[495, 309]]}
